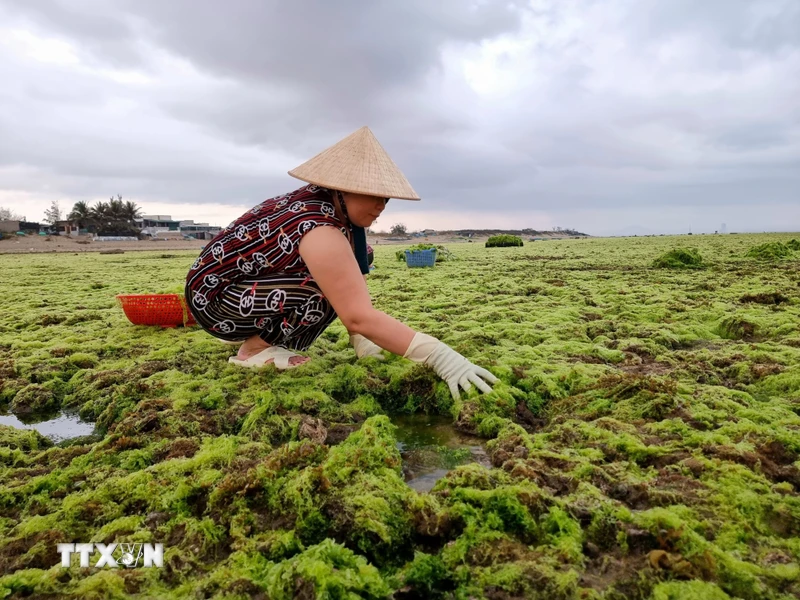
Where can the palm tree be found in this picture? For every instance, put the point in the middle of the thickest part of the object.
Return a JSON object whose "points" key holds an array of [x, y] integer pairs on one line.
{"points": [[131, 212], [116, 208], [100, 212], [116, 217], [81, 213]]}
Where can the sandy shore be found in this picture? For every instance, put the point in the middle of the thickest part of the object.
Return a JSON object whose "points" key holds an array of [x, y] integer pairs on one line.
{"points": [[31, 244]]}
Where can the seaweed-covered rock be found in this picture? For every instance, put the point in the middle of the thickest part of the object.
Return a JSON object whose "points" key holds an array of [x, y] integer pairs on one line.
{"points": [[737, 328], [688, 590], [370, 503], [22, 439], [503, 240], [770, 251], [38, 397], [764, 298], [327, 570], [680, 258], [427, 576]]}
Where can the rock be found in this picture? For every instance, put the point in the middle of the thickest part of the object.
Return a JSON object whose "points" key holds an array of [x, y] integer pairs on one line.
{"points": [[694, 465], [499, 457], [27, 440], [591, 550], [33, 398], [658, 559], [583, 514], [640, 540], [527, 418], [339, 433], [155, 519], [312, 429]]}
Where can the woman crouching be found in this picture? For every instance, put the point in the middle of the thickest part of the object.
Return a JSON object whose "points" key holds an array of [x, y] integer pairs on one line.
{"points": [[277, 276]]}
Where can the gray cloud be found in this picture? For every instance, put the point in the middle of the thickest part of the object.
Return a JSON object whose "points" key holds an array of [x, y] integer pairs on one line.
{"points": [[769, 26], [102, 30], [666, 105]]}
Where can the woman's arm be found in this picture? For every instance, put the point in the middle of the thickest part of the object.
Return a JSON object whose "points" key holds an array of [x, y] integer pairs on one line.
{"points": [[331, 262]]}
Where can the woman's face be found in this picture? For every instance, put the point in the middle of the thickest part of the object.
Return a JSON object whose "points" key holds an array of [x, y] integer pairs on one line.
{"points": [[363, 210]]}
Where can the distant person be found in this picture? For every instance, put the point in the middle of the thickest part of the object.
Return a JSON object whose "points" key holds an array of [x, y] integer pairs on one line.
{"points": [[277, 276]]}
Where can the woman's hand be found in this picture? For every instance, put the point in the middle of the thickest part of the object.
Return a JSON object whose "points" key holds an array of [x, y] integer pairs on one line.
{"points": [[449, 364], [333, 266]]}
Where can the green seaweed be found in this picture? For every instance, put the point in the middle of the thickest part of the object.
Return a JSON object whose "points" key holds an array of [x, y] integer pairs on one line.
{"points": [[643, 436], [771, 251], [442, 253], [503, 240], [326, 570], [680, 258]]}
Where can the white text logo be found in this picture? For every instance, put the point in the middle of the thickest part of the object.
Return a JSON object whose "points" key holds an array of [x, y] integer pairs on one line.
{"points": [[114, 555]]}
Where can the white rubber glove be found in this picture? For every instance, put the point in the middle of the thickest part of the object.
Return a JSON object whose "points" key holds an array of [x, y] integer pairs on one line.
{"points": [[364, 347], [448, 364]]}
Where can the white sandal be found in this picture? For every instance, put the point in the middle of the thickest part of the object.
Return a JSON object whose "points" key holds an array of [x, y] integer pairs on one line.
{"points": [[279, 355]]}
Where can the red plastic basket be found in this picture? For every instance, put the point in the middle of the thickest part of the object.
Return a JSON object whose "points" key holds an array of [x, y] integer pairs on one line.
{"points": [[164, 310]]}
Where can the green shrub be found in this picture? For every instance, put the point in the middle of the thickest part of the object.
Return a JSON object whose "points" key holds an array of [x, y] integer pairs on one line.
{"points": [[770, 251], [679, 258], [442, 253], [499, 241]]}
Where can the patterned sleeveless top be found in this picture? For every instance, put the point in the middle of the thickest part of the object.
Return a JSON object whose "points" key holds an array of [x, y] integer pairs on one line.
{"points": [[266, 240]]}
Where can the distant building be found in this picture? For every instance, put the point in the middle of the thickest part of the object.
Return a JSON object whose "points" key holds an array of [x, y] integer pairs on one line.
{"points": [[31, 227], [191, 228], [153, 225], [9, 226], [66, 228]]}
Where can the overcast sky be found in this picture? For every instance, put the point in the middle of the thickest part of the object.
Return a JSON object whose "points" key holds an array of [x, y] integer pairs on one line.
{"points": [[608, 116]]}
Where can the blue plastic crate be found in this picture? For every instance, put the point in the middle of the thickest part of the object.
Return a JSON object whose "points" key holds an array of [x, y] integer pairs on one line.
{"points": [[421, 258]]}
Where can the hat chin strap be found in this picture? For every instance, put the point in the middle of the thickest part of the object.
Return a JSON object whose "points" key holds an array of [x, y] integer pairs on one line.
{"points": [[341, 210]]}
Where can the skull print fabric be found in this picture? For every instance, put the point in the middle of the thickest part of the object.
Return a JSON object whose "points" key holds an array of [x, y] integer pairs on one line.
{"points": [[251, 280], [263, 241], [286, 310]]}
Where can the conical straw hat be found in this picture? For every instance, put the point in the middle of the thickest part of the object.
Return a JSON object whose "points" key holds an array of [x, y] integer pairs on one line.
{"points": [[357, 164]]}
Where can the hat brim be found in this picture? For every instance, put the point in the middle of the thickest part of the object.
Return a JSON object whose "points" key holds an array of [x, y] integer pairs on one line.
{"points": [[358, 164], [354, 189]]}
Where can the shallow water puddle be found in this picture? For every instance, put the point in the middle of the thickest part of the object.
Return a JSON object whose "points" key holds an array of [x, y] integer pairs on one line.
{"points": [[61, 427], [431, 447]]}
